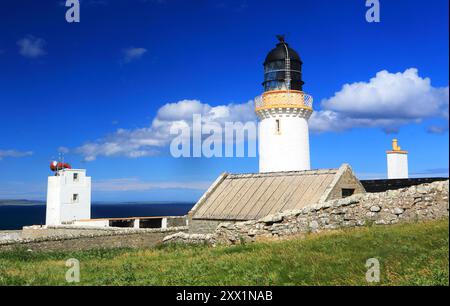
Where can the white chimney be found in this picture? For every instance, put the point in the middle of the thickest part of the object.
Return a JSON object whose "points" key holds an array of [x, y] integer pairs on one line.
{"points": [[397, 162]]}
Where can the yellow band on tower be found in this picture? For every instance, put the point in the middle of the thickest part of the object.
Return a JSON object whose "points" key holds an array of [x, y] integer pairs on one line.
{"points": [[283, 99]]}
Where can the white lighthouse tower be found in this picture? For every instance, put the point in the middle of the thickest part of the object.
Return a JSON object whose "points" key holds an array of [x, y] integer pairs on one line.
{"points": [[68, 195], [283, 110], [397, 162]]}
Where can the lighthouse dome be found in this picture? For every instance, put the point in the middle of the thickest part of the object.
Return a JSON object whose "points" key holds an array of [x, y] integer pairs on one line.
{"points": [[279, 54], [283, 68]]}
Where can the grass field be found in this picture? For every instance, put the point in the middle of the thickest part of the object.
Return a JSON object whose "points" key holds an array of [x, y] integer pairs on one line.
{"points": [[413, 254]]}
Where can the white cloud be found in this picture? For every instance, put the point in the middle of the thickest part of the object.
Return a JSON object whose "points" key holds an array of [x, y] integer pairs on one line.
{"points": [[129, 143], [388, 101], [330, 121], [63, 150], [132, 53], [148, 141], [31, 47], [134, 184], [437, 129], [14, 153]]}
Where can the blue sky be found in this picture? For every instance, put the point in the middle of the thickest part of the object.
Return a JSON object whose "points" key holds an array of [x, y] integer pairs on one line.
{"points": [[74, 87]]}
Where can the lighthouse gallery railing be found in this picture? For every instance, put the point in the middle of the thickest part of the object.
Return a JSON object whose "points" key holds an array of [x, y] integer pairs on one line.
{"points": [[283, 98]]}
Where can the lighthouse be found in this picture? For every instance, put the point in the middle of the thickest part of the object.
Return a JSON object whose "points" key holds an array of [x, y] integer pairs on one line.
{"points": [[68, 195], [283, 111], [397, 162]]}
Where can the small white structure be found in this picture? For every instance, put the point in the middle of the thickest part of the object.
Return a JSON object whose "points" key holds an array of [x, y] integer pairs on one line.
{"points": [[68, 197], [283, 110], [397, 162]]}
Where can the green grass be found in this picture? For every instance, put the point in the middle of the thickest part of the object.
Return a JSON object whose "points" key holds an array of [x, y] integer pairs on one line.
{"points": [[413, 254]]}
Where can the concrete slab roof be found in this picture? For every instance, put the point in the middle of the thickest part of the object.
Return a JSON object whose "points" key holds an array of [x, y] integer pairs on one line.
{"points": [[253, 196]]}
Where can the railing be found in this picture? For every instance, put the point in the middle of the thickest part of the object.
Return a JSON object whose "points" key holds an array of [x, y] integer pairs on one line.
{"points": [[284, 98]]}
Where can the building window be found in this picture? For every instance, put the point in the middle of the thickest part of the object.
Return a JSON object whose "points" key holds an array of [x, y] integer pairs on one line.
{"points": [[75, 177], [346, 192], [278, 129], [75, 198]]}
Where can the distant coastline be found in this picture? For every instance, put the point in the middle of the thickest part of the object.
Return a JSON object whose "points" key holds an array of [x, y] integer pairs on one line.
{"points": [[23, 202], [14, 214]]}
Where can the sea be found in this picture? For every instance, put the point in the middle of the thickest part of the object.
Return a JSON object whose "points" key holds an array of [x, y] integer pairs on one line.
{"points": [[14, 215]]}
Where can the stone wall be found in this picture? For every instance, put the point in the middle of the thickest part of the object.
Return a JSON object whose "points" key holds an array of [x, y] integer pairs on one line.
{"points": [[416, 203], [72, 239], [176, 221], [205, 223], [190, 238], [197, 226], [35, 232], [10, 235]]}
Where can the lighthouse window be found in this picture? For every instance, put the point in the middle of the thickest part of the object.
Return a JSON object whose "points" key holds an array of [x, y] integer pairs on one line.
{"points": [[278, 130], [75, 198], [75, 177]]}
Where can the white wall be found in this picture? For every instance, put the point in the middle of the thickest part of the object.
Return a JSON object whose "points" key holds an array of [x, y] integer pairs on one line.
{"points": [[53, 201], [60, 190], [397, 165], [287, 150], [93, 223]]}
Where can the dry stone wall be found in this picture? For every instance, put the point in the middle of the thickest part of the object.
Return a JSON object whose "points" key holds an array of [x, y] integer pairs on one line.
{"points": [[190, 238], [416, 203], [71, 239]]}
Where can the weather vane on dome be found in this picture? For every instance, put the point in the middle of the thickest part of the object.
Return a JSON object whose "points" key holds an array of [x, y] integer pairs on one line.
{"points": [[281, 37]]}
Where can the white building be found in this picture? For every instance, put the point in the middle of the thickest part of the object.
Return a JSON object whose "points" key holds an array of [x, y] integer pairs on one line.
{"points": [[283, 110], [68, 197], [397, 162]]}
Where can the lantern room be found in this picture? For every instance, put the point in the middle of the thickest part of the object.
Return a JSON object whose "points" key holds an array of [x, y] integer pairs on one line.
{"points": [[283, 68]]}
